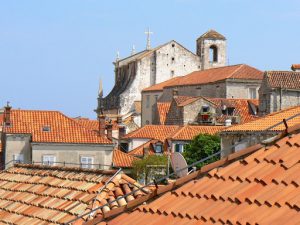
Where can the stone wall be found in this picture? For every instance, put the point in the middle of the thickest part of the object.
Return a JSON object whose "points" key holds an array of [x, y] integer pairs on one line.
{"points": [[149, 100], [72, 153], [241, 88]]}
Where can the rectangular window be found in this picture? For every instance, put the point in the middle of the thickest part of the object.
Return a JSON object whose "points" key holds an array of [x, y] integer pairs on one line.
{"points": [[158, 149], [18, 158], [179, 148], [252, 93], [147, 101], [156, 98], [49, 160], [86, 162]]}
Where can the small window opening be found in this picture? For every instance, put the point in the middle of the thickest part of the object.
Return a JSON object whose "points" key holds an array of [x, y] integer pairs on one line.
{"points": [[173, 45], [213, 54], [46, 128], [205, 109], [173, 59], [172, 73]]}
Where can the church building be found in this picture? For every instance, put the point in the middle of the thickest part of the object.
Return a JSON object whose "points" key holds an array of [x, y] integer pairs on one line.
{"points": [[155, 65]]}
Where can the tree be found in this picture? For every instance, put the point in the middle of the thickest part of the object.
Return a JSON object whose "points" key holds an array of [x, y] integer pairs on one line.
{"points": [[202, 146], [149, 168]]}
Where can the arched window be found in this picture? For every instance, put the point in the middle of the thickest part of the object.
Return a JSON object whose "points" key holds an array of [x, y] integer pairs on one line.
{"points": [[213, 53]]}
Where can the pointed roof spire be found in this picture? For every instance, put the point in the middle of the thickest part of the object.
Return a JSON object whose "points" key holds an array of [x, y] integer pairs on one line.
{"points": [[133, 50], [118, 56], [148, 33], [100, 91]]}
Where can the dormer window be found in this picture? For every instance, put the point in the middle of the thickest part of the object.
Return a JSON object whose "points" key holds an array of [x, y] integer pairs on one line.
{"points": [[46, 128], [158, 148], [205, 109]]}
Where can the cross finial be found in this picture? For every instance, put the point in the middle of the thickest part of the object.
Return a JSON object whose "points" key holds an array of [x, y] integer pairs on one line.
{"points": [[133, 50], [148, 33]]}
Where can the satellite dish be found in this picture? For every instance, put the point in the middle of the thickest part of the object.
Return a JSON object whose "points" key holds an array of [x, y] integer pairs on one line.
{"points": [[178, 163]]}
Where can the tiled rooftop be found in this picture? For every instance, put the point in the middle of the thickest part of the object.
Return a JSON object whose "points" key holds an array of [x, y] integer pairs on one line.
{"points": [[296, 67], [122, 159], [163, 109], [265, 122], [159, 132], [93, 124], [55, 195], [59, 128], [283, 79], [260, 186], [212, 34], [188, 132], [240, 71], [139, 151]]}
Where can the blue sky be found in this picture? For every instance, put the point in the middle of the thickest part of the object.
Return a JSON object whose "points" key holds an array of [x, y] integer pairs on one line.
{"points": [[53, 52]]}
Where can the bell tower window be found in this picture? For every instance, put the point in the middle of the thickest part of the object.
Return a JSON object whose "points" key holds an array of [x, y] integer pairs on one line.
{"points": [[213, 53]]}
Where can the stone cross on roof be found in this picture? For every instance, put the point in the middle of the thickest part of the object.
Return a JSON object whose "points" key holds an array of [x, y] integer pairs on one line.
{"points": [[148, 33]]}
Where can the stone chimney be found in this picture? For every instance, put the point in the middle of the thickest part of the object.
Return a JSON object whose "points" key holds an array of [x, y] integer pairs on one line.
{"points": [[101, 125], [7, 112], [145, 152], [122, 131], [109, 131], [296, 67], [175, 92]]}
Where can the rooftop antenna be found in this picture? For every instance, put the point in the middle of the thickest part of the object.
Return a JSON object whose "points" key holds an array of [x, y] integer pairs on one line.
{"points": [[148, 33], [179, 164], [133, 50]]}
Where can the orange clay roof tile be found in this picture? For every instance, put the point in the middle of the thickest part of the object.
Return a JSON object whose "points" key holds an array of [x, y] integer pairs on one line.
{"points": [[158, 132], [65, 193], [188, 132], [240, 71], [122, 159], [283, 79], [255, 189], [59, 128], [261, 124], [163, 108]]}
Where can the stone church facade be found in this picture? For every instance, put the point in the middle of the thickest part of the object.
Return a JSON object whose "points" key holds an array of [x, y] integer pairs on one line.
{"points": [[152, 66]]}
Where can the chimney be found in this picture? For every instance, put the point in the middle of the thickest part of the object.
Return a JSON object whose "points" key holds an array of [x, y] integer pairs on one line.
{"points": [[296, 67], [122, 131], [7, 111], [109, 131], [145, 152], [101, 125], [175, 92]]}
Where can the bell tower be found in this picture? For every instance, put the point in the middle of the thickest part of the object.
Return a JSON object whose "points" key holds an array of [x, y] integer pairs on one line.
{"points": [[211, 47]]}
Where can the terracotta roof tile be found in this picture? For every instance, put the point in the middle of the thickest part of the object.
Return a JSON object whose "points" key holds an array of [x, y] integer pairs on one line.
{"points": [[188, 132], [60, 128], [261, 124], [296, 67], [240, 71], [283, 79], [212, 34], [122, 159], [255, 189], [94, 124], [158, 132], [163, 109], [55, 195]]}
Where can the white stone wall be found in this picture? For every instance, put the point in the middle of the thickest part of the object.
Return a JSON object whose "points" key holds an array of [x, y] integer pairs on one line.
{"points": [[241, 89], [205, 59], [156, 67], [147, 112], [174, 57], [71, 153], [134, 143], [17, 144]]}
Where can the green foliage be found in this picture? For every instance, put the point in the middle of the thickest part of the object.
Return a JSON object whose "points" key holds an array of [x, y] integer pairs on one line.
{"points": [[201, 147], [145, 169]]}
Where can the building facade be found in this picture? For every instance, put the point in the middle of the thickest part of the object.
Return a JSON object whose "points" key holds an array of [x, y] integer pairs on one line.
{"points": [[152, 66]]}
